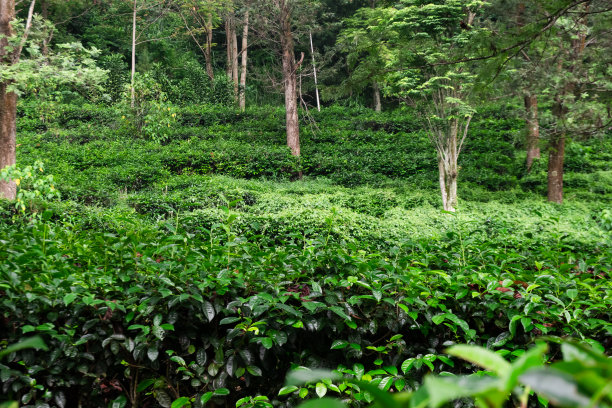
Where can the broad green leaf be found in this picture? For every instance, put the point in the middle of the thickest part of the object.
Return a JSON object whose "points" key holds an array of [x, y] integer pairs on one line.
{"points": [[556, 386], [481, 357], [180, 402], [287, 389], [321, 389]]}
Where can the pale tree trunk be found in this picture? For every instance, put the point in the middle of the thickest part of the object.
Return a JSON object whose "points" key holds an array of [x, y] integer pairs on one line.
{"points": [[533, 129], [448, 144], [235, 78], [243, 74], [228, 37], [8, 103], [447, 166], [556, 154], [208, 49], [377, 101], [132, 90], [314, 70], [289, 79]]}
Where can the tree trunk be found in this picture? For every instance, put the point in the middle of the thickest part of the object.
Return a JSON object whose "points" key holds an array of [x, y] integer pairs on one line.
{"points": [[132, 90], [442, 179], [228, 36], [533, 129], [289, 80], [8, 103], [447, 167], [243, 74], [235, 78], [314, 70], [556, 154], [452, 171], [208, 49], [377, 102]]}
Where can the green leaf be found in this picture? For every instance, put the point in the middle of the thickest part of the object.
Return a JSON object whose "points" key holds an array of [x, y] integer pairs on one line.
{"points": [[528, 360], [206, 397], [256, 371], [288, 389], [69, 298], [481, 357], [33, 342], [321, 389], [266, 342], [164, 399], [442, 390], [556, 386], [339, 344], [143, 385], [229, 320], [152, 353], [180, 402], [208, 310], [221, 392], [400, 383]]}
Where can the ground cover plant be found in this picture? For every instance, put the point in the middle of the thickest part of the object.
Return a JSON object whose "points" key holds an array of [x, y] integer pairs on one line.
{"points": [[192, 271]]}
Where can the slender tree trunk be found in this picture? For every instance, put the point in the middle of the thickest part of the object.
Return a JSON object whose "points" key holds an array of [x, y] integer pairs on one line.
{"points": [[314, 70], [452, 171], [132, 90], [289, 79], [556, 155], [442, 180], [377, 102], [8, 103], [556, 149], [228, 46], [235, 78], [533, 129], [243, 74], [208, 49]]}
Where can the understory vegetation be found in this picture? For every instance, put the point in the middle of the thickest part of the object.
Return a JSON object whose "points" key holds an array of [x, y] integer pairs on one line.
{"points": [[185, 267]]}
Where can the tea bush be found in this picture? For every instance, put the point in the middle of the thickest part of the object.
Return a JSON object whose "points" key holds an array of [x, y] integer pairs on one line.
{"points": [[189, 269]]}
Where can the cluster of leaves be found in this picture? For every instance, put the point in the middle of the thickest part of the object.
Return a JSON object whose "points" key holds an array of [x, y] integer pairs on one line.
{"points": [[581, 379], [145, 314], [31, 185]]}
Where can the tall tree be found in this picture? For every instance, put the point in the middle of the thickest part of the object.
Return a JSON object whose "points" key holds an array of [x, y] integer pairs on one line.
{"points": [[290, 67], [278, 23], [25, 67], [156, 9], [416, 40], [244, 52], [201, 17], [8, 99]]}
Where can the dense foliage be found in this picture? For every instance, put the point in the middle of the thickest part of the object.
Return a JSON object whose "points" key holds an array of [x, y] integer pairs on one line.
{"points": [[193, 269], [174, 237]]}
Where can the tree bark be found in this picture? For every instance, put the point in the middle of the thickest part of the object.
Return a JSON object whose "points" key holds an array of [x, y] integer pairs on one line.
{"points": [[235, 78], [314, 70], [533, 129], [289, 79], [377, 101], [243, 74], [556, 149], [208, 49], [8, 103], [228, 37], [556, 155], [132, 90]]}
